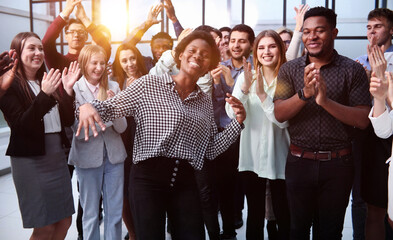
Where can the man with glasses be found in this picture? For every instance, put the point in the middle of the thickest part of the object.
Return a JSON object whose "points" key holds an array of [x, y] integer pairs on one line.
{"points": [[76, 34]]}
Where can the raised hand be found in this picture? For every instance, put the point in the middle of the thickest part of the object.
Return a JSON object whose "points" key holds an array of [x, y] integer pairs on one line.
{"points": [[51, 81], [247, 76], [7, 61], [88, 116], [170, 10], [70, 76], [310, 79], [8, 70], [237, 107], [69, 7], [82, 16], [153, 14], [300, 16], [377, 60]]}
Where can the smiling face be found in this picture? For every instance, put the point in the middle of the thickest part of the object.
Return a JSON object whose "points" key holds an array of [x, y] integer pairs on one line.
{"points": [[195, 59], [32, 54], [95, 68], [128, 62], [159, 46], [239, 45], [268, 52], [379, 29], [318, 36], [76, 37]]}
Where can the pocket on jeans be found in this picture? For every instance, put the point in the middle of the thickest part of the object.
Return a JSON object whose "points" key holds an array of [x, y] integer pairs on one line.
{"points": [[292, 159]]}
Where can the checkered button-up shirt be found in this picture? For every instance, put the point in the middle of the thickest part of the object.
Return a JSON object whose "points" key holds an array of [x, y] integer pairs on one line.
{"points": [[166, 125], [313, 127]]}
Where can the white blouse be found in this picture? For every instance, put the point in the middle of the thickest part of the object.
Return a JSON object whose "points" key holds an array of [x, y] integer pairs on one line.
{"points": [[264, 142], [52, 122]]}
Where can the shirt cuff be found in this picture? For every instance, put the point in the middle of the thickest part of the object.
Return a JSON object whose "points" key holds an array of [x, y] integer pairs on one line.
{"points": [[63, 17], [167, 59]]}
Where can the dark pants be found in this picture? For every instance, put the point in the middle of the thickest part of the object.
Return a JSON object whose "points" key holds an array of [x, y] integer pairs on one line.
{"points": [[226, 172], [255, 190], [318, 194], [160, 186], [359, 206], [208, 199]]}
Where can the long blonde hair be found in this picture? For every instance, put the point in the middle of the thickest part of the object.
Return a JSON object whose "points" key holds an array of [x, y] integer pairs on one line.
{"points": [[84, 58]]}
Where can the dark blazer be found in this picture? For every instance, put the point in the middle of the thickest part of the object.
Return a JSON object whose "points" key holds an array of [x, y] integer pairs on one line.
{"points": [[25, 118]]}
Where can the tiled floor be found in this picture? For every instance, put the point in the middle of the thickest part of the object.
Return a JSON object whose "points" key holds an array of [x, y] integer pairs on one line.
{"points": [[11, 224]]}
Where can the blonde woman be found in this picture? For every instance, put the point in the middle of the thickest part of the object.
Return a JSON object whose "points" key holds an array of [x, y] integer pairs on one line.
{"points": [[99, 162]]}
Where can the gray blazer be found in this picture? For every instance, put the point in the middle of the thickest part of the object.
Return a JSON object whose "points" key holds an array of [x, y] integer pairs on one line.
{"points": [[90, 154]]}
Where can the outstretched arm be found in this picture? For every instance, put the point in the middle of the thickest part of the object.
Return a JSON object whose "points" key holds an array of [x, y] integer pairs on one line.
{"points": [[136, 35], [294, 46], [96, 34], [170, 13]]}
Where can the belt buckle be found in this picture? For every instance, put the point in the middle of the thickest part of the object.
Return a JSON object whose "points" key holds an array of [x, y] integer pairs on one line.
{"points": [[329, 153]]}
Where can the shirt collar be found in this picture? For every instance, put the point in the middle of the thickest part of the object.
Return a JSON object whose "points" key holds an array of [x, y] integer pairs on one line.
{"points": [[335, 59], [169, 81], [229, 64], [93, 88]]}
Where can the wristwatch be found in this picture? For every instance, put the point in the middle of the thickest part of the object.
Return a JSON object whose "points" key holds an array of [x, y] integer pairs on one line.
{"points": [[300, 93]]}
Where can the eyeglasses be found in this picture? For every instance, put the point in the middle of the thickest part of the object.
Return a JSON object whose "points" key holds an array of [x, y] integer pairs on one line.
{"points": [[73, 32]]}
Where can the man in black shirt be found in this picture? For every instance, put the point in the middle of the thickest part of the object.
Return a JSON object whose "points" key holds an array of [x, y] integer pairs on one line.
{"points": [[324, 96]]}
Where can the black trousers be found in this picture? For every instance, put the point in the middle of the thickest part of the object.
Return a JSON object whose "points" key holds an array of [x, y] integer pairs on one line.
{"points": [[160, 186]]}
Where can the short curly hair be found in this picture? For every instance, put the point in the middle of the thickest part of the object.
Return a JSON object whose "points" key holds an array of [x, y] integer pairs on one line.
{"points": [[197, 34], [329, 14]]}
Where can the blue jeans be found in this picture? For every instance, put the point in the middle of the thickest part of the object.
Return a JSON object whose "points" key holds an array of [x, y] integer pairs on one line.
{"points": [[160, 186], [318, 195], [108, 179]]}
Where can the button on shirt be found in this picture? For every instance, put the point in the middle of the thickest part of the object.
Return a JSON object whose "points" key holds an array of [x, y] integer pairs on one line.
{"points": [[220, 90], [313, 127], [166, 125]]}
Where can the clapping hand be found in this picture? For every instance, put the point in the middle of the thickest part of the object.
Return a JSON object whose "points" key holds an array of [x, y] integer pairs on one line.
{"points": [[379, 87], [237, 107], [260, 90], [377, 60], [51, 81], [310, 80], [247, 76]]}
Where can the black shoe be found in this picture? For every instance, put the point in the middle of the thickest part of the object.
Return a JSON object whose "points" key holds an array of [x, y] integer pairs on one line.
{"points": [[127, 236], [224, 236]]}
